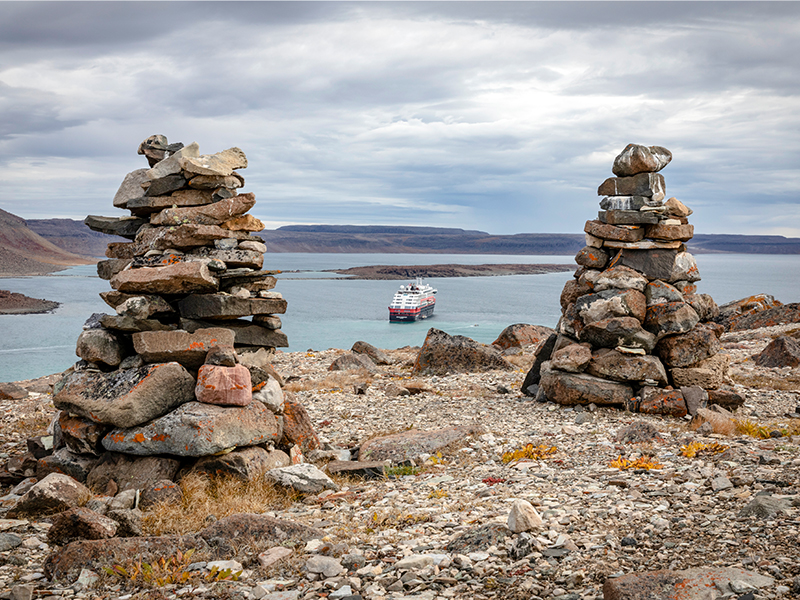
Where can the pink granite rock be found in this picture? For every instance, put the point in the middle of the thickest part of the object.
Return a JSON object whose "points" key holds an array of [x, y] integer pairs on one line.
{"points": [[225, 386]]}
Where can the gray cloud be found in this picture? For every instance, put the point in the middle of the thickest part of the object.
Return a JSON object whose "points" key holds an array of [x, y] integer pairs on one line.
{"points": [[496, 116]]}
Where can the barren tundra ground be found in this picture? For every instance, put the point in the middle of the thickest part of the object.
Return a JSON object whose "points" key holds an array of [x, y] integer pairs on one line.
{"points": [[599, 521]]}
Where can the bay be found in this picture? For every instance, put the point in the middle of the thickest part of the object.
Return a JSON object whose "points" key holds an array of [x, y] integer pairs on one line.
{"points": [[334, 313]]}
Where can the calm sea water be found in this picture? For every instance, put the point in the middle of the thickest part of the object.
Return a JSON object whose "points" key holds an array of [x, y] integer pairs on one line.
{"points": [[334, 313]]}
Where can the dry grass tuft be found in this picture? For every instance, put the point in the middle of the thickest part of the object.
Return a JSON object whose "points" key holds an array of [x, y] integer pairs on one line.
{"points": [[217, 496]]}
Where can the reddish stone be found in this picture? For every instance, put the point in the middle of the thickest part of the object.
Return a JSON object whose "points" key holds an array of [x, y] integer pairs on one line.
{"points": [[612, 232], [681, 233], [82, 435], [691, 584], [783, 351], [522, 334], [656, 401], [188, 349], [163, 490], [595, 258], [225, 386], [688, 348], [727, 399], [731, 312], [180, 278], [297, 427], [670, 318], [80, 524]]}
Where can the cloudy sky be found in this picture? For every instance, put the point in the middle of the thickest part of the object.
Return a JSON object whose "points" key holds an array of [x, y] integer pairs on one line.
{"points": [[503, 117]]}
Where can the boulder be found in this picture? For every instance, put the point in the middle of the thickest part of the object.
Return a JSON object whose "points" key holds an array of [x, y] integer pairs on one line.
{"points": [[265, 529], [67, 463], [627, 217], [267, 391], [99, 345], [297, 427], [374, 354], [188, 349], [595, 258], [612, 232], [778, 315], [690, 347], [731, 312], [691, 584], [163, 490], [221, 164], [695, 397], [234, 258], [643, 184], [167, 193], [443, 353], [670, 318], [130, 188], [572, 291], [245, 464], [181, 278], [53, 494], [106, 269], [703, 305], [708, 374], [611, 364], [350, 361], [224, 386], [578, 388], [523, 517], [659, 292], [209, 214], [223, 356], [543, 354], [726, 398], [126, 227], [125, 472], [80, 523], [213, 182], [247, 223], [11, 391], [618, 331], [681, 233], [522, 334], [635, 159], [620, 278], [611, 303], [181, 236], [653, 264], [304, 478], [245, 333], [196, 429], [172, 164], [638, 432], [126, 397], [684, 269], [224, 306], [143, 307], [572, 358], [676, 208], [365, 469], [82, 435], [657, 401], [409, 445]]}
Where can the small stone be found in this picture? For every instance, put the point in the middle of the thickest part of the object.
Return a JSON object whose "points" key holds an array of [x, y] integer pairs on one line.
{"points": [[324, 565], [273, 556], [304, 478], [523, 517]]}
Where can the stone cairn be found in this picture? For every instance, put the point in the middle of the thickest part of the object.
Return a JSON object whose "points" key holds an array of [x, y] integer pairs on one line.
{"points": [[634, 332], [177, 374]]}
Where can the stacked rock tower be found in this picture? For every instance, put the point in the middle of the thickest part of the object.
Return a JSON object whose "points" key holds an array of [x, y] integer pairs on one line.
{"points": [[178, 370], [633, 331]]}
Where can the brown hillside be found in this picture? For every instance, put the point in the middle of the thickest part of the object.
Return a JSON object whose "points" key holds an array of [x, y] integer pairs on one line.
{"points": [[23, 252]]}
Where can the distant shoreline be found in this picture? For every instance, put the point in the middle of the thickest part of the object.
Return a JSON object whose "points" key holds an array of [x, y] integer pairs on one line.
{"points": [[384, 272], [12, 303]]}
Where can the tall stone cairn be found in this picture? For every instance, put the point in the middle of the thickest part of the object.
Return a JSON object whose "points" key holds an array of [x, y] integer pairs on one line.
{"points": [[178, 370], [634, 332]]}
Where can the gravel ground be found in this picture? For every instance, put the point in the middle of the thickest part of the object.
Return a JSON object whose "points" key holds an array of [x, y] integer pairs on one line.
{"points": [[598, 521]]}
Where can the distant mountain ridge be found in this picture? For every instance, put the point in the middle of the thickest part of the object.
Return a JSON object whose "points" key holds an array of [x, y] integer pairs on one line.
{"points": [[24, 252], [442, 240]]}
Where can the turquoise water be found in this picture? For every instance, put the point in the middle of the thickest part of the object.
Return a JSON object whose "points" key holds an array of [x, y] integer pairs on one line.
{"points": [[335, 313]]}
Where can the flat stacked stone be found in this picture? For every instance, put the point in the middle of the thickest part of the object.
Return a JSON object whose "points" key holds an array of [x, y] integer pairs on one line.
{"points": [[163, 377], [633, 329]]}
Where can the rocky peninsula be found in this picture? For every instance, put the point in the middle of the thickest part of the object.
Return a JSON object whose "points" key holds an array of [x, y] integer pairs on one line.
{"points": [[12, 303], [448, 270]]}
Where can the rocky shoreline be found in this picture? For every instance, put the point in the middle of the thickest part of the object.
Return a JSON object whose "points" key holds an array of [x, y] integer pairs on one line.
{"points": [[12, 303], [439, 528], [447, 270]]}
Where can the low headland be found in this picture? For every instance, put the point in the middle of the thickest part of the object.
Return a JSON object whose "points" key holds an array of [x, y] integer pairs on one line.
{"points": [[12, 303]]}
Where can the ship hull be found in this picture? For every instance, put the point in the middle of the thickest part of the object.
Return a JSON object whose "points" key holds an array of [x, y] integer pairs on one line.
{"points": [[411, 315]]}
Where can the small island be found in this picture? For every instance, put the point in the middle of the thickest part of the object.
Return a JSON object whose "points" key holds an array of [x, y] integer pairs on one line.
{"points": [[448, 270], [12, 303]]}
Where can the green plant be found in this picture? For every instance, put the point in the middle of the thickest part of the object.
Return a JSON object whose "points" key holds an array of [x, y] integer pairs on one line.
{"points": [[401, 471]]}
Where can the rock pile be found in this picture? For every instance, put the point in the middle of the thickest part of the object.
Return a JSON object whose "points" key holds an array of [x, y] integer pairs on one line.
{"points": [[634, 332], [175, 371]]}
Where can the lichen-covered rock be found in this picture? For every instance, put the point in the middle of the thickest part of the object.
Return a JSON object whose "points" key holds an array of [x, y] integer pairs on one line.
{"points": [[611, 364], [224, 386], [304, 478], [180, 278], [618, 331], [188, 349], [125, 472], [350, 361], [636, 159], [100, 345], [443, 353], [126, 397], [656, 401], [578, 388], [409, 445], [690, 347], [522, 334], [708, 374], [374, 354], [196, 429], [53, 494], [297, 427], [783, 351], [80, 523], [245, 464]]}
